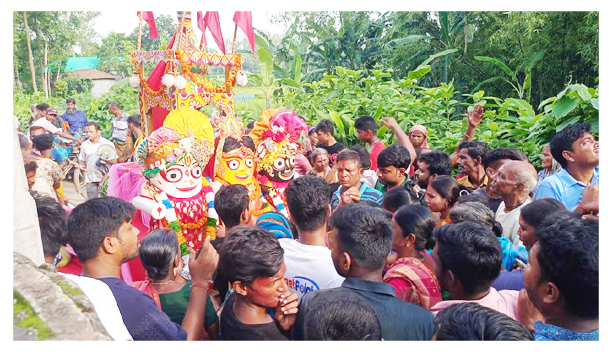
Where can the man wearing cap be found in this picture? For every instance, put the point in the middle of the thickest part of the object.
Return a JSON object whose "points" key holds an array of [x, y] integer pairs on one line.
{"points": [[75, 117], [55, 119], [46, 124]]}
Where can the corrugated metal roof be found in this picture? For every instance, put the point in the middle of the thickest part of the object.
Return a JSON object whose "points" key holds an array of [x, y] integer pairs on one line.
{"points": [[82, 62], [91, 74]]}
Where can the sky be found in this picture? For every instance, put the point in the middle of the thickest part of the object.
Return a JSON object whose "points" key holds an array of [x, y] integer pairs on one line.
{"points": [[126, 21]]}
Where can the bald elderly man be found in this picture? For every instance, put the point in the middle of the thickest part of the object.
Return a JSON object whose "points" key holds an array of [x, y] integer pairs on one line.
{"points": [[513, 181]]}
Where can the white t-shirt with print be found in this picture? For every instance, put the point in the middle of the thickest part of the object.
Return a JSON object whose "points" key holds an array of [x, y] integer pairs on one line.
{"points": [[308, 267]]}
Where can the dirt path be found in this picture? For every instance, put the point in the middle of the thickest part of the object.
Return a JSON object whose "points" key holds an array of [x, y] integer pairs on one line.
{"points": [[70, 193]]}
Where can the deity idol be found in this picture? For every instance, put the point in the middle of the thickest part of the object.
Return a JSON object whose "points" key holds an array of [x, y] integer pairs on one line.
{"points": [[177, 195], [279, 136], [234, 159]]}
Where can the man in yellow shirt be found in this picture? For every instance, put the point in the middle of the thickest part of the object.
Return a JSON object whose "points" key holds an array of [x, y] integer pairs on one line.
{"points": [[470, 163]]}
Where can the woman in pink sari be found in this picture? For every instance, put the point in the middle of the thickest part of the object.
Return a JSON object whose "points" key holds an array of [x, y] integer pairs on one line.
{"points": [[412, 274], [418, 135]]}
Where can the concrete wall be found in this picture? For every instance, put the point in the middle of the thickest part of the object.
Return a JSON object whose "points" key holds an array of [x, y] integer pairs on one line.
{"points": [[101, 86], [26, 232]]}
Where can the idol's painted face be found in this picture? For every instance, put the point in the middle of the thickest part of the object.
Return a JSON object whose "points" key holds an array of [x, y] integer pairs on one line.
{"points": [[282, 169], [182, 180], [236, 166]]}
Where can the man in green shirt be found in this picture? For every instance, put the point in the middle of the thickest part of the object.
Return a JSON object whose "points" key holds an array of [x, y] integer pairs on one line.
{"points": [[393, 163]]}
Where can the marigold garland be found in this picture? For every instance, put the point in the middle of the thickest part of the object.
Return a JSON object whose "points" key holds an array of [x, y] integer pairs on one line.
{"points": [[207, 85], [143, 80]]}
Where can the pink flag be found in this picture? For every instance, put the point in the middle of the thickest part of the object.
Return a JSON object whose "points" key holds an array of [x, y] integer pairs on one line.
{"points": [[201, 27], [212, 21], [243, 19], [150, 20]]}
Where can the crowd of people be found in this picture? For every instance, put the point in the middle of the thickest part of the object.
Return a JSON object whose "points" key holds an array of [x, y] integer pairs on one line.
{"points": [[381, 243]]}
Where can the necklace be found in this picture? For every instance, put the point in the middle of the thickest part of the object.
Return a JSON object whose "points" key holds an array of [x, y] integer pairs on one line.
{"points": [[514, 207], [163, 282]]}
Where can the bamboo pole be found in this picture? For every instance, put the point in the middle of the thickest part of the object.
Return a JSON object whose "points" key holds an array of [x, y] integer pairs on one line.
{"points": [[140, 33], [181, 34], [234, 40]]}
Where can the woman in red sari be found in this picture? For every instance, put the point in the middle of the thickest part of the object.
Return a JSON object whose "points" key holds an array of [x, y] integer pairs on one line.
{"points": [[412, 274]]}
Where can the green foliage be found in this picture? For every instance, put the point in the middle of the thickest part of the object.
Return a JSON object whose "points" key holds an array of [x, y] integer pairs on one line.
{"points": [[96, 108], [564, 44], [166, 26], [347, 94], [61, 30], [115, 54], [60, 88]]}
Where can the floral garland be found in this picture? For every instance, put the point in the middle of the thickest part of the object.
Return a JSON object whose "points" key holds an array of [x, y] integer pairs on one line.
{"points": [[207, 85], [267, 153], [277, 202], [143, 80], [171, 220], [210, 229]]}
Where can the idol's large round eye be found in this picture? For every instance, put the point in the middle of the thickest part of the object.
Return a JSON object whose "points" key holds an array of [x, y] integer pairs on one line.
{"points": [[279, 164], [292, 159], [196, 172], [173, 175], [233, 164], [249, 162]]}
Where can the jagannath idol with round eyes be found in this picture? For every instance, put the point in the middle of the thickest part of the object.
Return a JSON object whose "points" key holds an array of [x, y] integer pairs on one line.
{"points": [[234, 160], [279, 136], [177, 195]]}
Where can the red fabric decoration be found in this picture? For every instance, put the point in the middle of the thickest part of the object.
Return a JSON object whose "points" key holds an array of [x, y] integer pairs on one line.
{"points": [[154, 80], [243, 19], [212, 21], [150, 20], [158, 114], [201, 26]]}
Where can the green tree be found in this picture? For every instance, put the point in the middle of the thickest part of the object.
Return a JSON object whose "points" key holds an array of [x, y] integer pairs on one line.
{"points": [[60, 32], [115, 54], [166, 27]]}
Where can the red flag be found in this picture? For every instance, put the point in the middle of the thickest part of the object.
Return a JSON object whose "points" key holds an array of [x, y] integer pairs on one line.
{"points": [[243, 19], [201, 27], [150, 20], [212, 21]]}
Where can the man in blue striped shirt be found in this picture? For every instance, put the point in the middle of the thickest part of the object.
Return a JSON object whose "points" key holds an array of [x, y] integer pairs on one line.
{"points": [[352, 189]]}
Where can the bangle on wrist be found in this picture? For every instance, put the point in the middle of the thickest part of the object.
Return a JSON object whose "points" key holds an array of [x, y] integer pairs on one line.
{"points": [[205, 286]]}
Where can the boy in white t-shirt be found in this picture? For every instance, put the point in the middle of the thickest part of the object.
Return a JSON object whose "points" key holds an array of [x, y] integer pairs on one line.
{"points": [[309, 266]]}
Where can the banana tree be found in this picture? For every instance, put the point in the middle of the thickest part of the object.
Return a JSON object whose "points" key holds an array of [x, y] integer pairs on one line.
{"points": [[524, 89], [444, 38]]}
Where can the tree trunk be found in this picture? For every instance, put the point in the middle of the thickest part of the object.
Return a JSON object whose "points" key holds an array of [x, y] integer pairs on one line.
{"points": [[47, 76], [30, 57], [18, 81], [43, 78]]}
